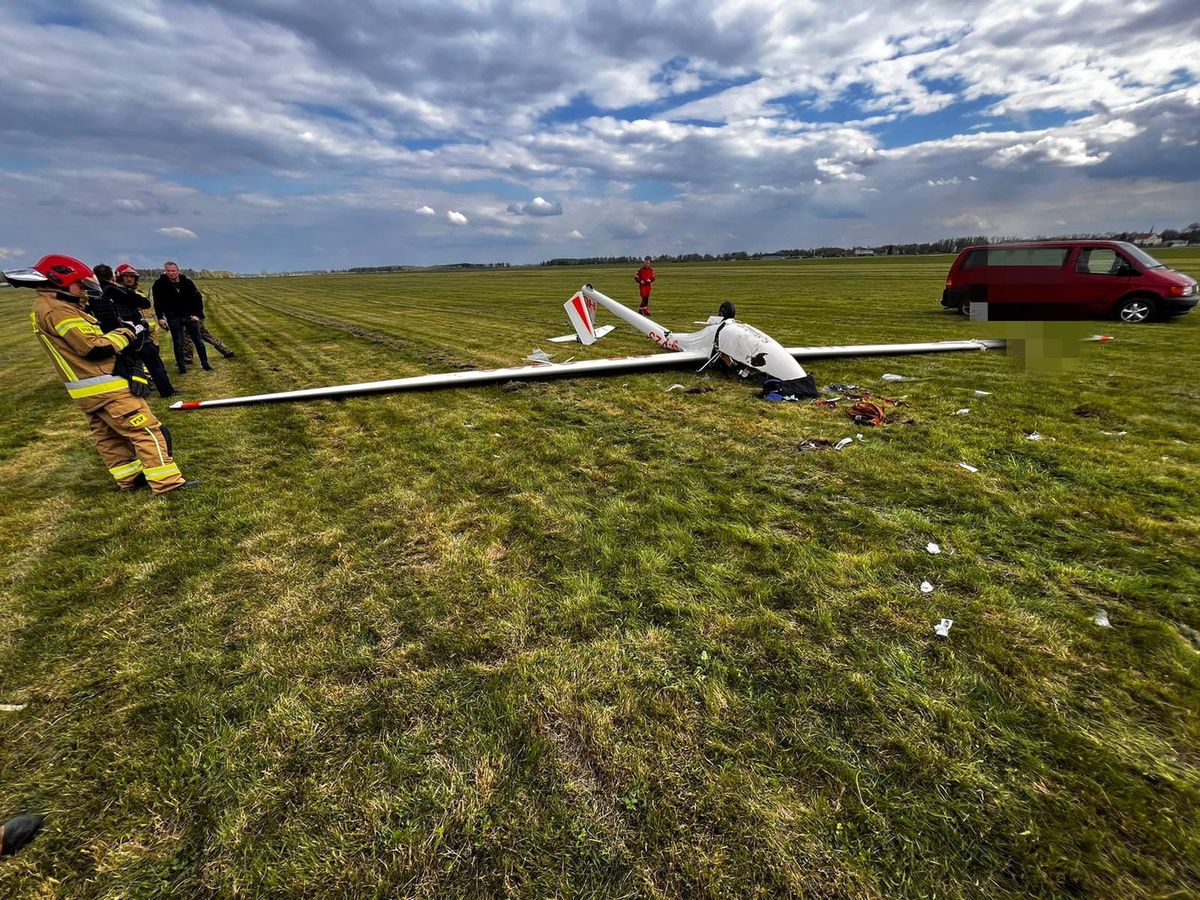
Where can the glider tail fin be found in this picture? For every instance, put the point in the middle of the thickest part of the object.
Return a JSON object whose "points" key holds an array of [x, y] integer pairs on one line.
{"points": [[581, 311]]}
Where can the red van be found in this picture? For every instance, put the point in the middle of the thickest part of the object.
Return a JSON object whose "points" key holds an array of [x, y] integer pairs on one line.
{"points": [[1067, 280]]}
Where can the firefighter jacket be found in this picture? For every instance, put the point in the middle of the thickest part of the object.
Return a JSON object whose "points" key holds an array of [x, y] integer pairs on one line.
{"points": [[177, 299], [121, 304], [83, 353]]}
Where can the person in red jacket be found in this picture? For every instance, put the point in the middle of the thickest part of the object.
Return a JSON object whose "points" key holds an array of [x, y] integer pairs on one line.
{"points": [[644, 278]]}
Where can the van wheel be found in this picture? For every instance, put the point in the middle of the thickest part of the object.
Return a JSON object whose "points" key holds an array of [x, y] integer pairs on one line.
{"points": [[1136, 310], [965, 307]]}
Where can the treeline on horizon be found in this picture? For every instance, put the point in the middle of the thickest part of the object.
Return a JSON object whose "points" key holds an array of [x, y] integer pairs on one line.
{"points": [[1189, 233]]}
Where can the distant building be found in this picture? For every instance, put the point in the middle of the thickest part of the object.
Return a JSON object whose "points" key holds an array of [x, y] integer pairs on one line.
{"points": [[863, 251], [1175, 243], [1147, 240]]}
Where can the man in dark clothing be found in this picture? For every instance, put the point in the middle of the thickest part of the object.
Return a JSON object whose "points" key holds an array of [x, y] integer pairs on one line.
{"points": [[120, 304], [179, 305]]}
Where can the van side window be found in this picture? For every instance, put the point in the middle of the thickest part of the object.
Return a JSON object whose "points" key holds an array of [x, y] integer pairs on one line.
{"points": [[1099, 261], [1049, 257], [976, 259]]}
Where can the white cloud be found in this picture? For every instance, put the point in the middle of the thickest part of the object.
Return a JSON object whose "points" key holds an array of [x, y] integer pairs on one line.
{"points": [[575, 234], [176, 231], [11, 253], [454, 217], [942, 182], [426, 211], [536, 207], [129, 205]]}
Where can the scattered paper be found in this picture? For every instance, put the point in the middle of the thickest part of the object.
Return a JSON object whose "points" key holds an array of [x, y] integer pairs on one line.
{"points": [[943, 627], [1101, 619], [467, 425], [969, 468], [926, 587], [674, 387], [843, 443], [890, 376], [860, 437], [12, 707], [1033, 436], [963, 411], [495, 434], [1114, 433], [933, 548], [983, 393]]}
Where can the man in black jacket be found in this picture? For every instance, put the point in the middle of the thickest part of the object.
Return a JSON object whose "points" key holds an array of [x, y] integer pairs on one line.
{"points": [[179, 303], [121, 303]]}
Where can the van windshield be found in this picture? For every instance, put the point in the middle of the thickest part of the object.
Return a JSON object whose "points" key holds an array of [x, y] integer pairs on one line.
{"points": [[1147, 261]]}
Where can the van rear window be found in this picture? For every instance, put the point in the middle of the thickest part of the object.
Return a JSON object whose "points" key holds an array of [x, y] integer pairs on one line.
{"points": [[1050, 257]]}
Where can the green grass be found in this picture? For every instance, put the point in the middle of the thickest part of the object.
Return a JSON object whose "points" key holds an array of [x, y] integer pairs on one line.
{"points": [[593, 639]]}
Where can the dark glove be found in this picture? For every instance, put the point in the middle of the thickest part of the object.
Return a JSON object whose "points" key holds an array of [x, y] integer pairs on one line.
{"points": [[134, 371]]}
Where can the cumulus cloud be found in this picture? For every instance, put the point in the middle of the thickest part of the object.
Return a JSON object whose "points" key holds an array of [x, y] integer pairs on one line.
{"points": [[575, 234], [175, 231], [11, 253], [292, 121], [536, 207]]}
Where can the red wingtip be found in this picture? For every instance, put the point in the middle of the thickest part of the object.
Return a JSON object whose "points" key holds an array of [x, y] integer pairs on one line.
{"points": [[190, 404], [1106, 337]]}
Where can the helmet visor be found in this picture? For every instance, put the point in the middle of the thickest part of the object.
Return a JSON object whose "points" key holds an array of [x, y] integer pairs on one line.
{"points": [[30, 278]]}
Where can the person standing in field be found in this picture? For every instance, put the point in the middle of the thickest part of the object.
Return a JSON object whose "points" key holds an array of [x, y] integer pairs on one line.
{"points": [[121, 302], [645, 279], [127, 434], [179, 305]]}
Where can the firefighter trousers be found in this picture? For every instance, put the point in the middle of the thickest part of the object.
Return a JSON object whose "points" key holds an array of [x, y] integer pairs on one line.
{"points": [[129, 439]]}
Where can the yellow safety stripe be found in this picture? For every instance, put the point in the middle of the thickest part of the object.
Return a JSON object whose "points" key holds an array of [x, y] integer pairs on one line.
{"points": [[161, 473], [124, 471], [57, 357], [119, 340], [65, 325], [104, 387], [162, 457]]}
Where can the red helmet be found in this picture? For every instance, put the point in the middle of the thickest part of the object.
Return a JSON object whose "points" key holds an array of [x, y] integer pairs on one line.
{"points": [[63, 271], [127, 269]]}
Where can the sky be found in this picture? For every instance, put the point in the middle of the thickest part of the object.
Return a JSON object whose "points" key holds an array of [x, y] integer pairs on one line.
{"points": [[285, 135]]}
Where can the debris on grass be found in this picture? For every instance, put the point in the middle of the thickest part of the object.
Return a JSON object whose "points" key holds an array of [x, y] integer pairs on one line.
{"points": [[12, 707], [840, 389], [843, 443], [814, 444], [1033, 436], [1114, 433], [983, 393], [962, 412], [865, 412], [926, 587], [1101, 619], [932, 548], [942, 628], [861, 438], [674, 387], [967, 466], [540, 357], [891, 376]]}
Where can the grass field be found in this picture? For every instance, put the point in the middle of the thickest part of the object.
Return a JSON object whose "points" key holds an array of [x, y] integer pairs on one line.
{"points": [[595, 639]]}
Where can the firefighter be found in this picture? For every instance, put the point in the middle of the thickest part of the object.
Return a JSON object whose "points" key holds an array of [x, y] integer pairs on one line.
{"points": [[644, 278], [105, 381], [121, 302]]}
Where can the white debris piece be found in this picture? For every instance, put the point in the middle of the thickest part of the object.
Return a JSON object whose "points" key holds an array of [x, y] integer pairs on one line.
{"points": [[861, 438], [674, 387], [983, 393], [891, 376], [540, 357], [12, 707], [933, 548], [942, 628], [963, 411], [843, 443], [1114, 433], [496, 434], [926, 587], [969, 468], [1101, 619], [1033, 436]]}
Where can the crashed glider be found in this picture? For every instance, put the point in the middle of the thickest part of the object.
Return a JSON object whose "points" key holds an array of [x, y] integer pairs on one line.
{"points": [[722, 337]]}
